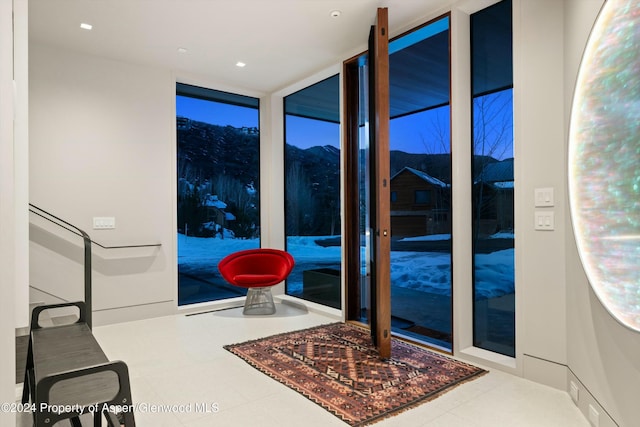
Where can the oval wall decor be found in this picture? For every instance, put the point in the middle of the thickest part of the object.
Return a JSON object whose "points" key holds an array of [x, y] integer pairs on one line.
{"points": [[604, 160]]}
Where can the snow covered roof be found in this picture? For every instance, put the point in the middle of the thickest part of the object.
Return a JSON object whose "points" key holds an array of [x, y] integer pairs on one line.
{"points": [[422, 175], [213, 202], [497, 172], [504, 185]]}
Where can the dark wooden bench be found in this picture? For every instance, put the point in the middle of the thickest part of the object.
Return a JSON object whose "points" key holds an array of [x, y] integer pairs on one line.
{"points": [[67, 374]]}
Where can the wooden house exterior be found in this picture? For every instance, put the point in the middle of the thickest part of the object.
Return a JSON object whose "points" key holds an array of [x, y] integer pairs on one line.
{"points": [[420, 204]]}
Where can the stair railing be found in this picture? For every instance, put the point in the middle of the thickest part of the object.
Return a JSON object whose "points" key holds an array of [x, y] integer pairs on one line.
{"points": [[87, 253]]}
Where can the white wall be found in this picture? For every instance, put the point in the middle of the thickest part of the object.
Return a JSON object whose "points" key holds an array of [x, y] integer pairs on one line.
{"points": [[539, 163], [101, 138], [7, 213], [603, 355]]}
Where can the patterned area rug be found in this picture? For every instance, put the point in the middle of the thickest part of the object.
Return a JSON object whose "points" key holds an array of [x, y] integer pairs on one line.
{"points": [[337, 367]]}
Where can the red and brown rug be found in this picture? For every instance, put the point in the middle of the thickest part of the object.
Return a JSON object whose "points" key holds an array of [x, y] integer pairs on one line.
{"points": [[337, 367]]}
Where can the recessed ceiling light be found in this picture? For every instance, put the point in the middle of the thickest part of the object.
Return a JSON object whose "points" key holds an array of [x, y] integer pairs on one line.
{"points": [[182, 50], [335, 13], [240, 64], [86, 26]]}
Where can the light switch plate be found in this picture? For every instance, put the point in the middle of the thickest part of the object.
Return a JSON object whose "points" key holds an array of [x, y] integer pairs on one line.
{"points": [[544, 220], [543, 197]]}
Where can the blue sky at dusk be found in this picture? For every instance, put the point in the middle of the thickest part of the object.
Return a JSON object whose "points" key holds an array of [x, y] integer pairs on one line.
{"points": [[305, 133], [216, 113], [427, 132], [407, 133]]}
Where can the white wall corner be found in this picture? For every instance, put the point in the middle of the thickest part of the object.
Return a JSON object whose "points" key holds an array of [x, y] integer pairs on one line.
{"points": [[21, 160], [272, 178]]}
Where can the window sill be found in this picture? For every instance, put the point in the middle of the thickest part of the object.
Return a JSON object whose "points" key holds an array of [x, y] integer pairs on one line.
{"points": [[489, 358]]}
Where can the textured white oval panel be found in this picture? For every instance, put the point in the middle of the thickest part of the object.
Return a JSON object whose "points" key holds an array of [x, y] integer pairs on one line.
{"points": [[604, 160]]}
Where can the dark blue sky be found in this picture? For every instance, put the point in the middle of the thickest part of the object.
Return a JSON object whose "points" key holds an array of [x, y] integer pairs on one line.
{"points": [[216, 113], [407, 133], [305, 133], [426, 132]]}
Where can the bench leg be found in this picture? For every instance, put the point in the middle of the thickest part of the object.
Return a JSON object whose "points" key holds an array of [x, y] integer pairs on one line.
{"points": [[25, 388], [75, 422], [28, 372]]}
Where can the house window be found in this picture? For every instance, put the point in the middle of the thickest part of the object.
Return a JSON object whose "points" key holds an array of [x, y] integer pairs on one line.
{"points": [[493, 179], [218, 188], [312, 192], [422, 197], [394, 196]]}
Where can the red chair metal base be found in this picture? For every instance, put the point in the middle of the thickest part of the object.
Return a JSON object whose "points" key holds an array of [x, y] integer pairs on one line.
{"points": [[259, 301]]}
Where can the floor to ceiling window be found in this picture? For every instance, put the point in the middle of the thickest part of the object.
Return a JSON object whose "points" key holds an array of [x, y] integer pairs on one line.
{"points": [[420, 157], [312, 192], [218, 171], [493, 179]]}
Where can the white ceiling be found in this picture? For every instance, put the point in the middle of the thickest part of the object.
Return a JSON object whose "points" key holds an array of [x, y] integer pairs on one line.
{"points": [[281, 41]]}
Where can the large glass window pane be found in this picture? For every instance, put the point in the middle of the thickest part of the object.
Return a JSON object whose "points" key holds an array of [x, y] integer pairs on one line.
{"points": [[493, 179], [218, 165], [312, 192], [421, 279]]}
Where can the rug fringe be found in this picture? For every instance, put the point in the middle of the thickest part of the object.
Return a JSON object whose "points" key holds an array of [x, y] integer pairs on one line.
{"points": [[415, 404]]}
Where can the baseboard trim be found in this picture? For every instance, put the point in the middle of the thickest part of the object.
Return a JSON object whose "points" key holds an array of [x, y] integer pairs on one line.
{"points": [[311, 306], [560, 376], [544, 371], [131, 313]]}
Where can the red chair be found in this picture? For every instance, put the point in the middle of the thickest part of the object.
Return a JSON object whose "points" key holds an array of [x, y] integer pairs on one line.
{"points": [[257, 270]]}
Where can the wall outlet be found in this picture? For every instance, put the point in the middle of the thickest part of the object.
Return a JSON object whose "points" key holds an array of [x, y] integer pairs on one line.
{"points": [[594, 416], [104, 223], [574, 392]]}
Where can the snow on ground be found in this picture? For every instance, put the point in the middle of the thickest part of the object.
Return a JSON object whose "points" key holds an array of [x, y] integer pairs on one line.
{"points": [[423, 271], [495, 273], [206, 251]]}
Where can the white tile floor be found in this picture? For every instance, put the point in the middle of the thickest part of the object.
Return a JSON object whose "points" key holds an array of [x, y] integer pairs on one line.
{"points": [[180, 360]]}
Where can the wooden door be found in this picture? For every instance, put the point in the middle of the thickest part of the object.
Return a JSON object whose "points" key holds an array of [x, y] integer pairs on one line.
{"points": [[367, 193], [380, 182]]}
